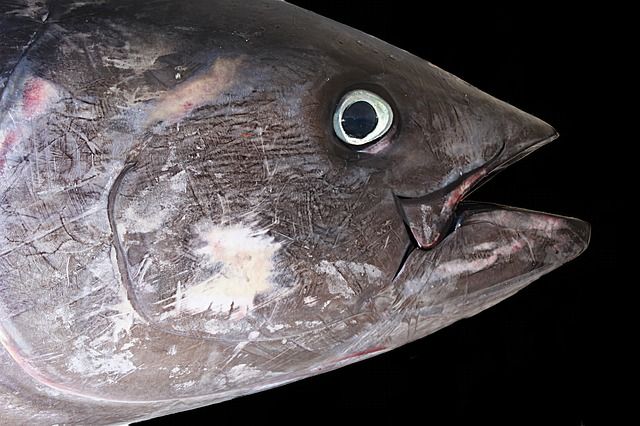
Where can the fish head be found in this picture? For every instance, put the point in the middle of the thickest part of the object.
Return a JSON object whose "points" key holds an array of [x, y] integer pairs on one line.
{"points": [[266, 194], [332, 166], [444, 139]]}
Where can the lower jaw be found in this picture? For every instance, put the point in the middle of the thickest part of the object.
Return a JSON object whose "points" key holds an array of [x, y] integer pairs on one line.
{"points": [[488, 245]]}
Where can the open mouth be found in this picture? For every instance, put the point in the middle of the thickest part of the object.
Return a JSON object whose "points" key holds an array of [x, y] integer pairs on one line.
{"points": [[473, 238]]}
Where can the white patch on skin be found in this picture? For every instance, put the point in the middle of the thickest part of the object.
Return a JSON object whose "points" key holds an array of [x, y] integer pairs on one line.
{"points": [[132, 62], [172, 350], [222, 326], [128, 345], [103, 355], [310, 301], [243, 373], [8, 138], [91, 362], [337, 283], [426, 229], [197, 92], [309, 324], [137, 55], [178, 371], [413, 287], [549, 225], [459, 267], [137, 216], [274, 328], [184, 385], [122, 316], [179, 182], [246, 260], [485, 246]]}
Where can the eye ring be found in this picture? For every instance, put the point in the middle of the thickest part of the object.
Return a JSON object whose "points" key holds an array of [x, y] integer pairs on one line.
{"points": [[364, 103]]}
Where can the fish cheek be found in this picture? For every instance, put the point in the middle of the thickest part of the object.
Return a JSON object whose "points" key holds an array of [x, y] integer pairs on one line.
{"points": [[363, 220]]}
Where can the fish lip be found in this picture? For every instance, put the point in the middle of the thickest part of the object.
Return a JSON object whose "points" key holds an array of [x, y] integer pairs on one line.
{"points": [[454, 193]]}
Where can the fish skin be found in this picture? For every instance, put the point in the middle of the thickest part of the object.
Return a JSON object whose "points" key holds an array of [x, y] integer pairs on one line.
{"points": [[139, 183]]}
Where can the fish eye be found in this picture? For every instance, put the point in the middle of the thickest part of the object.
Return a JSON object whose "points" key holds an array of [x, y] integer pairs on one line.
{"points": [[362, 117]]}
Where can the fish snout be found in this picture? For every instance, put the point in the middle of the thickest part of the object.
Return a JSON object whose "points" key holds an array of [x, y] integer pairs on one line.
{"points": [[522, 134], [514, 134]]}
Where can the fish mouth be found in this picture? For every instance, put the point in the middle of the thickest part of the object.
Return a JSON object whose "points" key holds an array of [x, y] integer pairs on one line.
{"points": [[429, 218], [472, 238]]}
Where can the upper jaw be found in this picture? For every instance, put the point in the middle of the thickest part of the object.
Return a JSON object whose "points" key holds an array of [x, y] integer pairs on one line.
{"points": [[429, 218]]}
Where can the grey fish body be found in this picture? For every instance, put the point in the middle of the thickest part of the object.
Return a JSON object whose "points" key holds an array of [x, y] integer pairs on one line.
{"points": [[181, 225]]}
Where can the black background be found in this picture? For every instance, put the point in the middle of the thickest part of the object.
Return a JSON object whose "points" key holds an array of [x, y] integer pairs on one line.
{"points": [[535, 358]]}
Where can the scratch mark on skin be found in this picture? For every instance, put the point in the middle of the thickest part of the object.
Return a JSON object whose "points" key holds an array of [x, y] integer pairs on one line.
{"points": [[194, 93], [50, 231], [67, 272], [34, 37], [38, 95]]}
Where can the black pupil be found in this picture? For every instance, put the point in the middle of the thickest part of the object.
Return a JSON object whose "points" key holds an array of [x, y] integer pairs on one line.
{"points": [[359, 120]]}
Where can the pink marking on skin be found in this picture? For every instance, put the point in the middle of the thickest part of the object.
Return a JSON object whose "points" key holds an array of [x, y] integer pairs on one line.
{"points": [[185, 98], [458, 194], [426, 229], [7, 141], [37, 95], [33, 97], [187, 107], [362, 353]]}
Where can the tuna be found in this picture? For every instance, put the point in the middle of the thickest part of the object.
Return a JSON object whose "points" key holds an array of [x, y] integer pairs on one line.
{"points": [[203, 199]]}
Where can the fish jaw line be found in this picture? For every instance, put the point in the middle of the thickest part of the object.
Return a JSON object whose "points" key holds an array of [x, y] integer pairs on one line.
{"points": [[456, 213], [430, 218], [492, 253], [507, 245]]}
